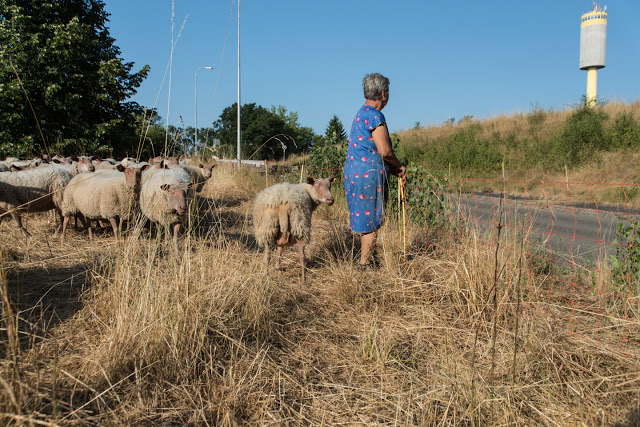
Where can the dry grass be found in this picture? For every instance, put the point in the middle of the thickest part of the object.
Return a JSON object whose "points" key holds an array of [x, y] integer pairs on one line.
{"points": [[122, 334], [519, 123], [610, 177]]}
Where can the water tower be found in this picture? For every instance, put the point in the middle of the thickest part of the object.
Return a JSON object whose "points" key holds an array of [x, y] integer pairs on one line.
{"points": [[593, 47]]}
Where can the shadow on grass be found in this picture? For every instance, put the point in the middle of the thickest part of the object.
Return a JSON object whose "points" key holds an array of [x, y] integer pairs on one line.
{"points": [[43, 298]]}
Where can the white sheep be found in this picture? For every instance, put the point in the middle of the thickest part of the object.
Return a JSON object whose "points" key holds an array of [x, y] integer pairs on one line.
{"points": [[282, 215], [199, 174], [163, 199], [36, 190], [100, 195]]}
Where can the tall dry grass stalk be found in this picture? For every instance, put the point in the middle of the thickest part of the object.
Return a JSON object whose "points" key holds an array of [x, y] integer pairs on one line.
{"points": [[212, 339]]}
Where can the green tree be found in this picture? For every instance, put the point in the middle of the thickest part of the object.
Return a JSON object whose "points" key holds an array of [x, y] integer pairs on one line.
{"points": [[263, 133], [335, 126], [62, 80], [302, 135], [328, 154]]}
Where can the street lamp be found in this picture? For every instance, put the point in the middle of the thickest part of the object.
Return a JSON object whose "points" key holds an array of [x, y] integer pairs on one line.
{"points": [[195, 142]]}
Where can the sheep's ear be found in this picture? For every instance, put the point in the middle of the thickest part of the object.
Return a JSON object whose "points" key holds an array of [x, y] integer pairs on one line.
{"points": [[121, 167], [145, 167], [15, 168], [310, 180]]}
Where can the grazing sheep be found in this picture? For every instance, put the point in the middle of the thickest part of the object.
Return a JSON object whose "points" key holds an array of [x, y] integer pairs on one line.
{"points": [[163, 199], [282, 215], [36, 190], [102, 195]]}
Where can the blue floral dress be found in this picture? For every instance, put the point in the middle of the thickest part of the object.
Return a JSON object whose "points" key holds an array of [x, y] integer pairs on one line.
{"points": [[365, 173]]}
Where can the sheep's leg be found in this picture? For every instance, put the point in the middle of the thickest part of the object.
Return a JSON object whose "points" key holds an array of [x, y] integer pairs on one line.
{"points": [[18, 220], [280, 249], [303, 262], [58, 215], [114, 226], [88, 227], [167, 233], [176, 230], [65, 222], [120, 225], [266, 257]]}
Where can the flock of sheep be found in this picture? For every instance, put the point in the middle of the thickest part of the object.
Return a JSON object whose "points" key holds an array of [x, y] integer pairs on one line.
{"points": [[94, 189], [90, 188]]}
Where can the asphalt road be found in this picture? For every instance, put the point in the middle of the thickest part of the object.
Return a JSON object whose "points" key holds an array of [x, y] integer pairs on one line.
{"points": [[580, 234]]}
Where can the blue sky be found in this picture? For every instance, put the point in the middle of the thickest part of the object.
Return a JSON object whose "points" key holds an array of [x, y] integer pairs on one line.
{"points": [[444, 59]]}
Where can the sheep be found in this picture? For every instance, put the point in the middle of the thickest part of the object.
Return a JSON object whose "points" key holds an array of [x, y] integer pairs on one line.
{"points": [[36, 190], [104, 164], [163, 199], [76, 164], [199, 174], [282, 215], [101, 195], [174, 160]]}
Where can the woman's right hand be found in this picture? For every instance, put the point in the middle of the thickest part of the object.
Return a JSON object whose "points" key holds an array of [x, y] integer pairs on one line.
{"points": [[402, 174]]}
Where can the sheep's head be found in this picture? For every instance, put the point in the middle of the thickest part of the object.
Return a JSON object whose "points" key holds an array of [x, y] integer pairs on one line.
{"points": [[322, 187], [207, 170], [84, 163], [174, 160], [133, 176], [176, 195]]}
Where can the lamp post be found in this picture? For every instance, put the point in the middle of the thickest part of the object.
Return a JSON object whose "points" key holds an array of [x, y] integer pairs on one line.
{"points": [[195, 140]]}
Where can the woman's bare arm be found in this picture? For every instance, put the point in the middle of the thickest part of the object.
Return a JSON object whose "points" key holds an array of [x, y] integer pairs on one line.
{"points": [[383, 145]]}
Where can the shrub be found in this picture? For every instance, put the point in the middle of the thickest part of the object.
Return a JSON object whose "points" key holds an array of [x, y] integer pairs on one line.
{"points": [[327, 154], [625, 264], [426, 197], [582, 134], [625, 131]]}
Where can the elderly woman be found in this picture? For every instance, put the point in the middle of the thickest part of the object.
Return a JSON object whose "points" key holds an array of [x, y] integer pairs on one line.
{"points": [[370, 160]]}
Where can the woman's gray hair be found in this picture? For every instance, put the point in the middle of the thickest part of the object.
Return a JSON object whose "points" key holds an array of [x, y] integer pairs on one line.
{"points": [[373, 85]]}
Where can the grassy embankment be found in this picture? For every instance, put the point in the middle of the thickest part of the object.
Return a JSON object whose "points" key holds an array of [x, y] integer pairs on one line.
{"points": [[584, 146], [121, 334]]}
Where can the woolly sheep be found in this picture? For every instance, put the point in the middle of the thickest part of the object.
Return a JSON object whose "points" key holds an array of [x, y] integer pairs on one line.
{"points": [[35, 190], [282, 215], [104, 164], [103, 196], [163, 199], [199, 174], [75, 164]]}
